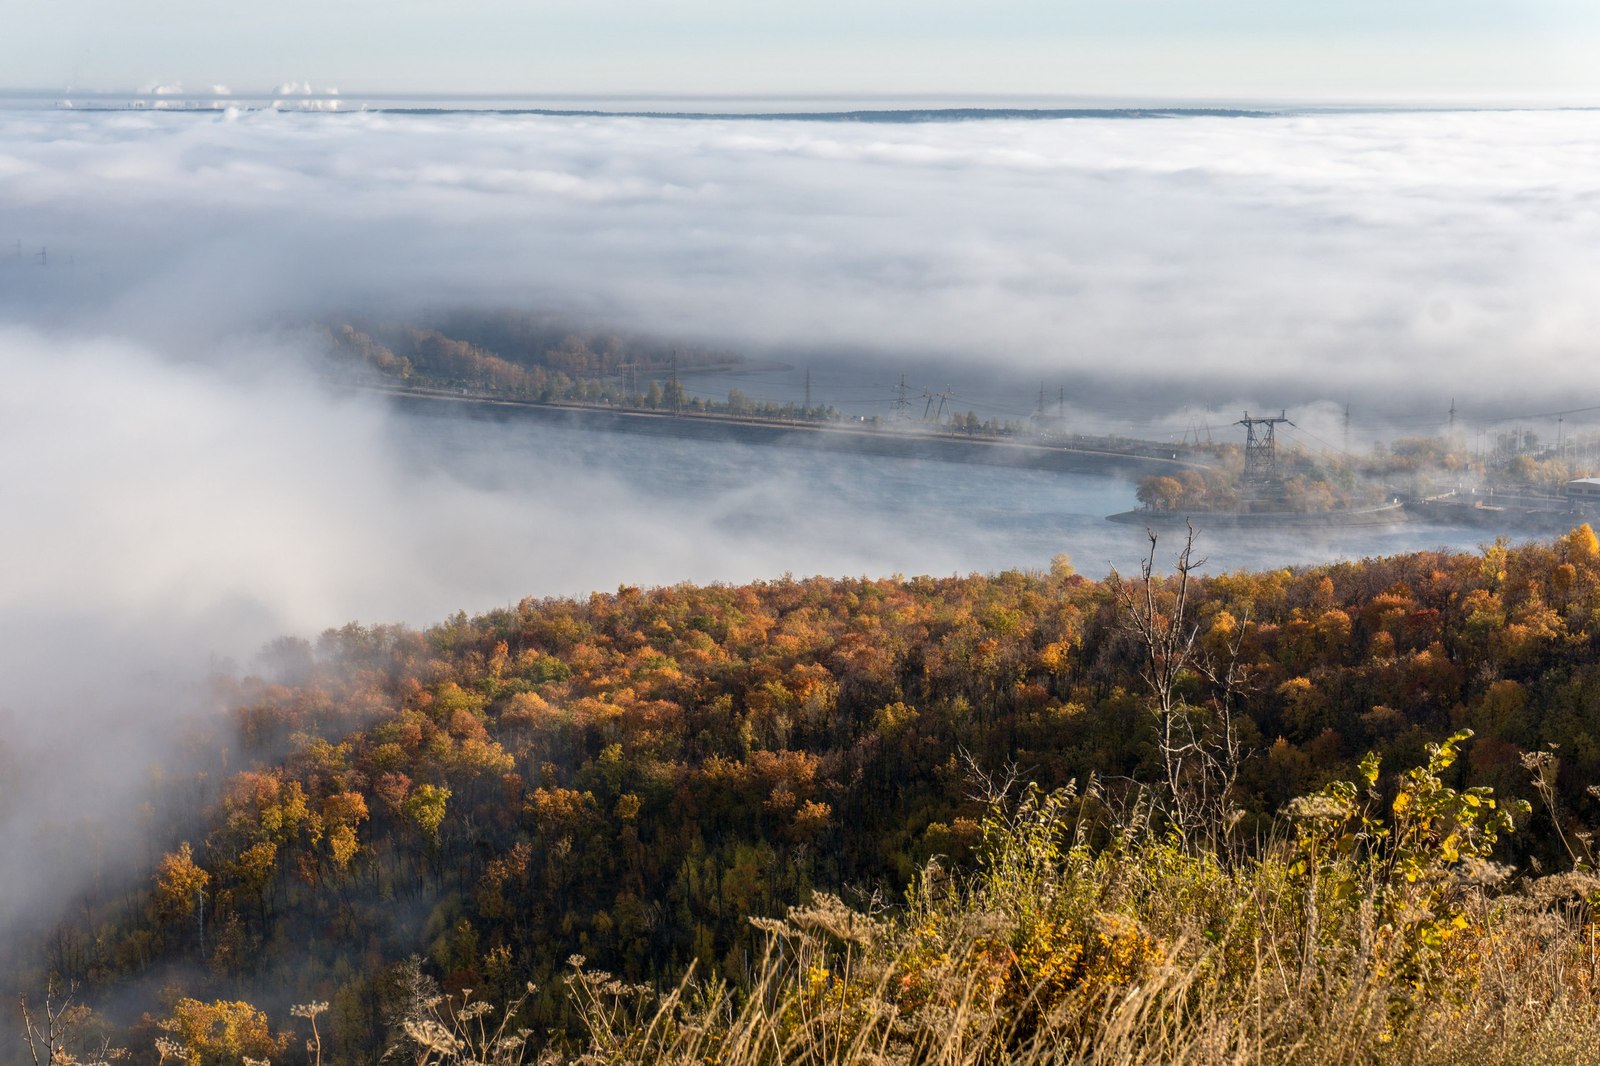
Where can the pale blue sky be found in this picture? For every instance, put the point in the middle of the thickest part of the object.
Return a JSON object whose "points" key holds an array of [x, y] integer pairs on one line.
{"points": [[1351, 49]]}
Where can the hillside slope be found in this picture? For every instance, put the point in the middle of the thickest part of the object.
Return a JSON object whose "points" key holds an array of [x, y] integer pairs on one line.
{"points": [[633, 776]]}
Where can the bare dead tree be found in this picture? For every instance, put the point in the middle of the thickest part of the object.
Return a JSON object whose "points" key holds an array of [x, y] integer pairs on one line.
{"points": [[1200, 746], [1155, 616], [51, 1033], [991, 788]]}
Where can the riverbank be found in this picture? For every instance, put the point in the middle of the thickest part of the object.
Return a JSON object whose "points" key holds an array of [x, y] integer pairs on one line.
{"points": [[1388, 514]]}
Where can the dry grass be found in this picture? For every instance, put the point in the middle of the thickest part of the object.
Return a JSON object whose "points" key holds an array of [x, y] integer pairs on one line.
{"points": [[1360, 940], [1511, 997]]}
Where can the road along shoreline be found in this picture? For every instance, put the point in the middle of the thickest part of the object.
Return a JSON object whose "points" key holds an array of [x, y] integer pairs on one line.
{"points": [[1137, 461]]}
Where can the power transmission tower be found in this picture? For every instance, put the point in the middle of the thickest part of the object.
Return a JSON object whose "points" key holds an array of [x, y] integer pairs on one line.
{"points": [[1260, 447], [902, 406], [808, 388], [1039, 414], [629, 373]]}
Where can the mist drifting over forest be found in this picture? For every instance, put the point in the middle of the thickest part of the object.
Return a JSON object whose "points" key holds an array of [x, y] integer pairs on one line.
{"points": [[181, 486]]}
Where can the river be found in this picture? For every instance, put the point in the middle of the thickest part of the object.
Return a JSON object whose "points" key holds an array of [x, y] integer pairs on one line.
{"points": [[749, 511]]}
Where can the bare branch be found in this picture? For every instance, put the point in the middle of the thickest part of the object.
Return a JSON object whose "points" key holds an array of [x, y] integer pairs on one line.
{"points": [[1199, 746]]}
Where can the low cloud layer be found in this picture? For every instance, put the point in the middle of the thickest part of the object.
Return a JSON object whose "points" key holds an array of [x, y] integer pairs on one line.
{"points": [[1288, 258]]}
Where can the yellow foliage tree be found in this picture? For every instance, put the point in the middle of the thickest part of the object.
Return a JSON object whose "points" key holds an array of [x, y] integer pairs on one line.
{"points": [[220, 1033], [180, 885]]}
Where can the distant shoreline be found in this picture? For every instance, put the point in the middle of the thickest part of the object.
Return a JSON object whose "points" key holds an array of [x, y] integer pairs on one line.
{"points": [[1386, 514], [334, 105], [862, 438], [892, 115]]}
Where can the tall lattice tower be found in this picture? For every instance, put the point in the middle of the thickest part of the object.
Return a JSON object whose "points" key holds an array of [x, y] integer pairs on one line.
{"points": [[1261, 447]]}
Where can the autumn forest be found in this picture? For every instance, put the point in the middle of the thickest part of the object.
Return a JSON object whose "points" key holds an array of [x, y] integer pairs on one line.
{"points": [[632, 778]]}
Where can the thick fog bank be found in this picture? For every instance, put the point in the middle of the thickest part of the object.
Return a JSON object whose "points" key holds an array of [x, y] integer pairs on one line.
{"points": [[1402, 257]]}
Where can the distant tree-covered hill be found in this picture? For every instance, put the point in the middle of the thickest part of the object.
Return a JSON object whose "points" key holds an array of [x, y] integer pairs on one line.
{"points": [[532, 356]]}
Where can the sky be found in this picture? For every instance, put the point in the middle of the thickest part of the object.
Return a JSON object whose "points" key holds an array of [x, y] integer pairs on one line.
{"points": [[1256, 49]]}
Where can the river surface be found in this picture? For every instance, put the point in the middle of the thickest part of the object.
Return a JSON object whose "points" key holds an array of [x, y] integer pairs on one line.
{"points": [[760, 511]]}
